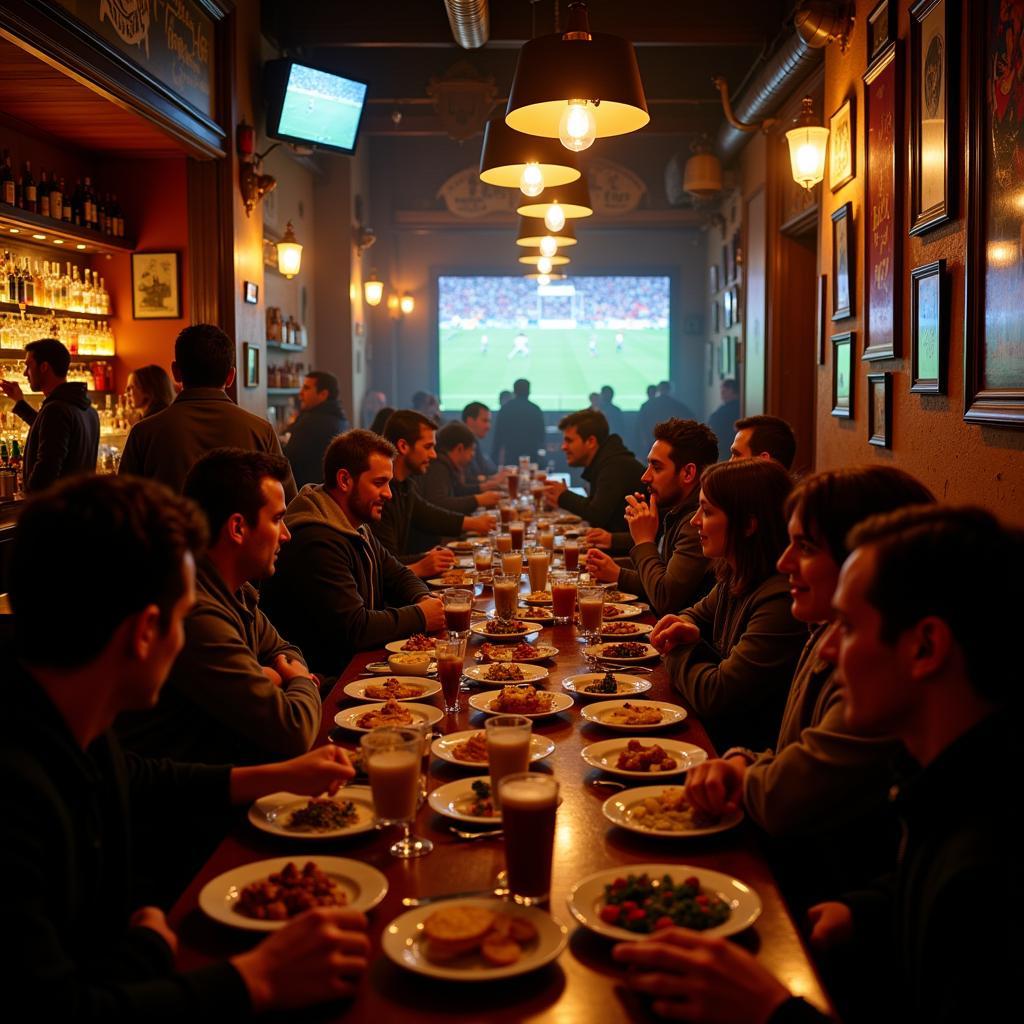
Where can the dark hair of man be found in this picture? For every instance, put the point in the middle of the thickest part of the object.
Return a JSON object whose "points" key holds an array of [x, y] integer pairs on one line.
{"points": [[473, 411], [950, 563], [690, 441], [204, 355], [771, 435], [831, 503], [139, 526], [652, 390], [745, 490], [383, 415], [226, 481], [730, 383], [352, 451], [607, 392], [587, 423], [324, 381], [419, 399], [51, 352], [665, 387], [155, 383], [521, 388], [451, 435], [405, 425], [504, 396]]}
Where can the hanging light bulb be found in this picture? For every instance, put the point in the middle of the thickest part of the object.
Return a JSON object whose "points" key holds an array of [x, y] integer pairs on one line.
{"points": [[531, 183], [577, 127], [548, 246], [554, 217], [544, 265], [807, 143], [543, 279]]}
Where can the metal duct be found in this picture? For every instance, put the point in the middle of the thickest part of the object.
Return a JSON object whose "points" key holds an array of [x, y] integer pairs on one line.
{"points": [[783, 72], [470, 21]]}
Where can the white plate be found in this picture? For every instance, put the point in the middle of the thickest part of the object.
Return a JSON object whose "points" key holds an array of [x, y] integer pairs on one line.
{"points": [[587, 897], [535, 613], [365, 886], [598, 651], [468, 545], [672, 714], [531, 673], [480, 628], [617, 810], [628, 686], [621, 596], [347, 718], [437, 581], [446, 800], [382, 668], [616, 612], [442, 747], [544, 598], [640, 629], [357, 688], [603, 755], [403, 943], [541, 652], [482, 702], [268, 813], [398, 647]]}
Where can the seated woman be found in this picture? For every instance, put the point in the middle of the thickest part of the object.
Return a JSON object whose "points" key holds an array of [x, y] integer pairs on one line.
{"points": [[738, 646], [821, 780], [149, 390]]}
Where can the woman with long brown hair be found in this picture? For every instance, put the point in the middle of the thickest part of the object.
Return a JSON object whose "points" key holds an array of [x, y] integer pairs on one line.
{"points": [[149, 389]]}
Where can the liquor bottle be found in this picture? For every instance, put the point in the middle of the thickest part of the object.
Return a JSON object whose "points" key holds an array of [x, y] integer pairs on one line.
{"points": [[12, 279], [117, 218], [30, 190], [30, 284], [56, 199], [78, 205], [101, 214], [66, 209], [7, 180], [43, 193], [89, 204]]}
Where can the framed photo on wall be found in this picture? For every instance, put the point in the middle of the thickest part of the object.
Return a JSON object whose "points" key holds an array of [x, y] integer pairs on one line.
{"points": [[156, 289], [727, 310], [880, 409], [842, 262], [881, 29], [883, 219], [716, 316], [929, 329], [250, 365], [842, 375], [932, 113], [842, 148]]}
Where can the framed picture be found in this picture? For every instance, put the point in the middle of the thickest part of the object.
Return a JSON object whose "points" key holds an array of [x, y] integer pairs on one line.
{"points": [[842, 374], [929, 329], [932, 113], [251, 292], [725, 264], [709, 360], [716, 316], [880, 409], [727, 310], [883, 219], [737, 310], [251, 365], [881, 29], [822, 318], [993, 354], [156, 289], [842, 262], [842, 147]]}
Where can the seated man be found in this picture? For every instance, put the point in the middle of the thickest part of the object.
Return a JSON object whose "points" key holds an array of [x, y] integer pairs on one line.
{"points": [[610, 468], [764, 437], [238, 692], [76, 803], [671, 573], [481, 474], [337, 589], [444, 482], [321, 420], [922, 643]]}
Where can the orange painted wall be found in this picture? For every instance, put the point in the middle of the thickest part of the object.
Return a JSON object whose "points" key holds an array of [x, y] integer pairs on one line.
{"points": [[961, 462]]}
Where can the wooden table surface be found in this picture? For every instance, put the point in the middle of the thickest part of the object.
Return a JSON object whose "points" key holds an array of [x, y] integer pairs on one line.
{"points": [[584, 984]]}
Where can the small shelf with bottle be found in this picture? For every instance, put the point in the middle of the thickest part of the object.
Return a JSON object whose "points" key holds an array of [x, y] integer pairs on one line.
{"points": [[281, 346], [49, 311]]}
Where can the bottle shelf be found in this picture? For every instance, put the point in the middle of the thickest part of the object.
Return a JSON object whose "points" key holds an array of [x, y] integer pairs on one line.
{"points": [[64, 314], [76, 357], [45, 232], [281, 346]]}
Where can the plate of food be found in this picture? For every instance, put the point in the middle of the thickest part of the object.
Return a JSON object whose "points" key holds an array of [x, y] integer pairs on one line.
{"points": [[364, 717], [399, 687], [267, 894], [521, 699], [496, 629], [535, 613], [467, 800], [612, 902], [633, 758], [382, 668], [625, 629], [522, 652], [469, 748], [621, 611], [454, 578], [602, 685], [348, 813], [467, 546], [624, 651], [537, 597], [499, 673], [638, 714], [664, 811], [417, 643], [619, 596], [473, 939]]}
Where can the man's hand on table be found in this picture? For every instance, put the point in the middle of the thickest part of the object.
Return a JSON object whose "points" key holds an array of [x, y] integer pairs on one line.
{"points": [[831, 925], [479, 524], [433, 563], [602, 566], [317, 957], [691, 976], [553, 490], [488, 499], [433, 613], [153, 918], [674, 631], [321, 770], [716, 786], [642, 517]]}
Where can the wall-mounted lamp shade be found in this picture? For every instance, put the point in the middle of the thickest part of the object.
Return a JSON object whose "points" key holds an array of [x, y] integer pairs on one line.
{"points": [[532, 230], [573, 198], [289, 253], [505, 154], [534, 258], [807, 144], [406, 303], [373, 289]]}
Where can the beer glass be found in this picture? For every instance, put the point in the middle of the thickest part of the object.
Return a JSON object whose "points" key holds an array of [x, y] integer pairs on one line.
{"points": [[529, 803], [591, 601], [451, 656], [458, 610], [393, 759], [508, 748], [563, 597]]}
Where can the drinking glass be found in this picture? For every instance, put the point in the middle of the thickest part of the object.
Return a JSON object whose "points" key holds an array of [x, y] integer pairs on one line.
{"points": [[451, 656], [512, 563], [591, 601], [503, 543], [517, 531], [529, 803], [482, 559], [506, 595], [571, 553], [537, 493], [507, 511], [458, 610], [538, 561], [512, 481], [508, 749], [563, 596], [393, 759], [546, 537]]}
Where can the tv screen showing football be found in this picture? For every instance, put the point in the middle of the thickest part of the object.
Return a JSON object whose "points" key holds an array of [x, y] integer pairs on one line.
{"points": [[318, 107]]}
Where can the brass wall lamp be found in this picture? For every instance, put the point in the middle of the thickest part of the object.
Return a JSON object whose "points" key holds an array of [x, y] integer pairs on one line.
{"points": [[254, 185]]}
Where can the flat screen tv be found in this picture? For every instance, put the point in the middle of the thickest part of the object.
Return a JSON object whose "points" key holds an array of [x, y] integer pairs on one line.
{"points": [[313, 107]]}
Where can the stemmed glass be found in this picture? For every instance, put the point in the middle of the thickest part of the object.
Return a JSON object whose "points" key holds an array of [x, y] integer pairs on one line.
{"points": [[394, 763]]}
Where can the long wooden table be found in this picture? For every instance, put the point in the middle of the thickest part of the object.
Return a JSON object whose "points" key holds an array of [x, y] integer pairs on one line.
{"points": [[584, 985]]}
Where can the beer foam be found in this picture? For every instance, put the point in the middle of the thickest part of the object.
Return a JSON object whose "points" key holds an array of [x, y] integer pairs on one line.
{"points": [[526, 794]]}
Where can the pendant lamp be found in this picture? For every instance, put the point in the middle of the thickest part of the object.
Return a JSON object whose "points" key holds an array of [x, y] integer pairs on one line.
{"points": [[573, 200], [533, 229], [543, 279], [558, 260], [510, 159]]}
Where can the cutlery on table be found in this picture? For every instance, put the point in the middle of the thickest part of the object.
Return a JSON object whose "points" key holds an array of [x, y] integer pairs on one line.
{"points": [[419, 901]]}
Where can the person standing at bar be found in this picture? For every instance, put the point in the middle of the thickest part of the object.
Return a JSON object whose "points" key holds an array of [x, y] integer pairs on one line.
{"points": [[519, 426], [64, 433], [149, 390], [321, 420], [722, 419]]}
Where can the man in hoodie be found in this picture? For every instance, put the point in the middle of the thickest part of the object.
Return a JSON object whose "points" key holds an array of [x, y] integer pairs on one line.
{"points": [[444, 482], [321, 420], [609, 467], [64, 433], [337, 590]]}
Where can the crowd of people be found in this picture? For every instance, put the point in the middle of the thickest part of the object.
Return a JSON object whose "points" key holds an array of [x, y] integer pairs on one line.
{"points": [[840, 636]]}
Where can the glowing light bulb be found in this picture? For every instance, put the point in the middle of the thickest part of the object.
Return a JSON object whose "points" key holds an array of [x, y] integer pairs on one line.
{"points": [[548, 246], [532, 181], [543, 279], [578, 127], [544, 265], [554, 217]]}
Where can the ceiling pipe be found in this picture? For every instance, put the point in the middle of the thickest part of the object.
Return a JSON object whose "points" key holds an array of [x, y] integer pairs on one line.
{"points": [[470, 21]]}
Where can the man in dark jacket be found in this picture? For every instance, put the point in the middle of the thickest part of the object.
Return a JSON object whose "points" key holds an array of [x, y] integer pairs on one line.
{"points": [[321, 420], [722, 419], [610, 468], [337, 590], [164, 447], [64, 434], [519, 427], [444, 482]]}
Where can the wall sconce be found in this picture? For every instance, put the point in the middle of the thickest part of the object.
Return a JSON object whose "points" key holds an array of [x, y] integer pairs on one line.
{"points": [[289, 253], [807, 147], [362, 237], [373, 289], [253, 185], [394, 307], [406, 304], [723, 90]]}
